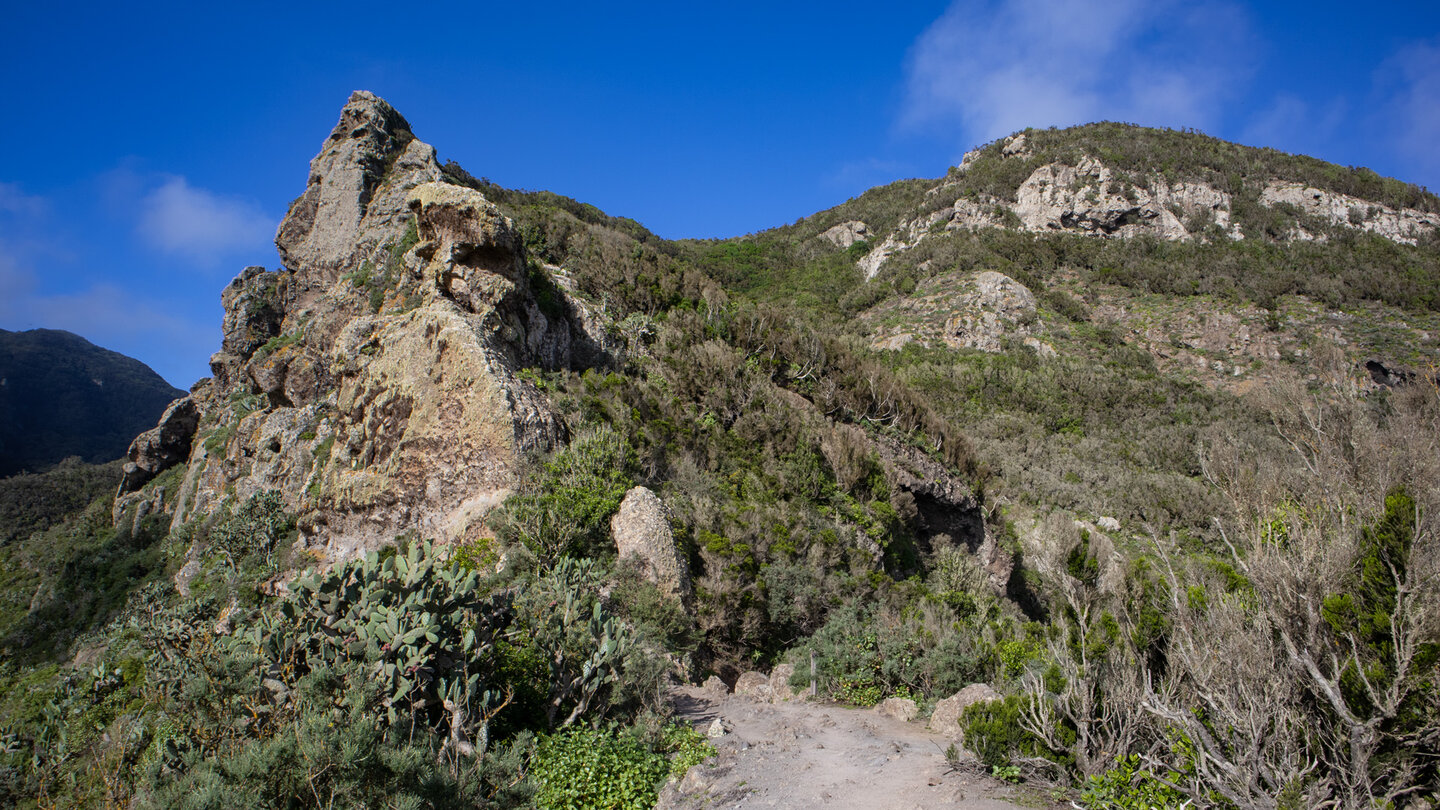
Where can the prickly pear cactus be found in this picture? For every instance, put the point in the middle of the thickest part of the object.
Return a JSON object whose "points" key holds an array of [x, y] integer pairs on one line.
{"points": [[425, 627]]}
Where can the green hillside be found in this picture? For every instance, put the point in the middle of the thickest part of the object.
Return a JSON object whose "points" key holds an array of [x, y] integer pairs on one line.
{"points": [[1145, 486]]}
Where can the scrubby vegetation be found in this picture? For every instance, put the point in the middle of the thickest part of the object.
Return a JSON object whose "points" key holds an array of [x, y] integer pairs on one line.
{"points": [[1256, 625]]}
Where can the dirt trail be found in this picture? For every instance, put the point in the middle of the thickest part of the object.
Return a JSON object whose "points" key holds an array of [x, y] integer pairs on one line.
{"points": [[799, 754]]}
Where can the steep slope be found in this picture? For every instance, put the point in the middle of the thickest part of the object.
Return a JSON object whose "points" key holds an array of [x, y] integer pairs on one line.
{"points": [[61, 396]]}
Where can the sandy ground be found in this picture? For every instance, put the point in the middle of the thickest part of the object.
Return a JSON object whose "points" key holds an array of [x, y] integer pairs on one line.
{"points": [[801, 754]]}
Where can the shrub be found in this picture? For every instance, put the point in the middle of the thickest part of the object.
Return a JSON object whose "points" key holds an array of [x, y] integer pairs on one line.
{"points": [[588, 769], [566, 506]]}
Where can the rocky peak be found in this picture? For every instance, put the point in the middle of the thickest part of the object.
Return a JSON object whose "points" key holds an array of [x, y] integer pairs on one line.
{"points": [[355, 196], [373, 383]]}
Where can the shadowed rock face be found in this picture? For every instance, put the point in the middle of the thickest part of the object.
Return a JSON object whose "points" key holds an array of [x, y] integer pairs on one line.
{"points": [[373, 381]]}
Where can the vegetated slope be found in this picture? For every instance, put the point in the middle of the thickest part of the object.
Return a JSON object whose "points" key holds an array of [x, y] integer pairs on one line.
{"points": [[64, 396], [1004, 464], [1159, 344]]}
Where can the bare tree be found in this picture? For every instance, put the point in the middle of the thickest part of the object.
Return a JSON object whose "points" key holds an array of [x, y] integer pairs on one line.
{"points": [[1280, 695]]}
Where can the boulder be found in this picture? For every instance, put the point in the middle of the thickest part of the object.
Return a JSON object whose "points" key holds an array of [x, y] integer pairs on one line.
{"points": [[902, 709], [754, 685], [780, 688], [642, 532], [161, 447], [714, 688], [946, 717]]}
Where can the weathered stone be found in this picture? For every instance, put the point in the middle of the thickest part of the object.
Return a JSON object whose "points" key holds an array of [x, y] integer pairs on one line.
{"points": [[847, 233], [1109, 524], [642, 532], [355, 197], [902, 709], [998, 562], [780, 688], [753, 684], [716, 729], [715, 688], [1404, 225], [946, 717], [992, 309], [254, 303], [391, 395], [163, 446], [1086, 198]]}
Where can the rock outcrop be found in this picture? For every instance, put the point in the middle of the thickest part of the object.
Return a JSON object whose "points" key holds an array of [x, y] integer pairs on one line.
{"points": [[994, 309], [355, 197], [1090, 199], [847, 233], [1086, 196], [161, 447], [374, 380], [642, 533], [1398, 225]]}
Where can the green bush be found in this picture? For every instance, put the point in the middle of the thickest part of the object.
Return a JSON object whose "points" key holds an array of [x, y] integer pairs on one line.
{"points": [[993, 731], [587, 769], [566, 506], [1129, 787]]}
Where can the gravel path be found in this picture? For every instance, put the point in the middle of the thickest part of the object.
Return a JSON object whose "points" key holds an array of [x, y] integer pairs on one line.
{"points": [[800, 754]]}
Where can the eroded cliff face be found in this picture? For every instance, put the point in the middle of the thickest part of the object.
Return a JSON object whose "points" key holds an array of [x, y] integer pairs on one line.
{"points": [[374, 380], [1091, 198]]}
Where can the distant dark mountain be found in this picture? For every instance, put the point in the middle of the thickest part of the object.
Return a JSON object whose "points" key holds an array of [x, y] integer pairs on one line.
{"points": [[62, 396]]}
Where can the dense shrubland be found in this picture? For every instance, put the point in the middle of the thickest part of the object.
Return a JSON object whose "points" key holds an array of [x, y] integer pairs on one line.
{"points": [[1261, 633]]}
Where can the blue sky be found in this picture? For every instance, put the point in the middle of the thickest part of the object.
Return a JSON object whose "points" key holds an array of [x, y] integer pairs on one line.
{"points": [[149, 154]]}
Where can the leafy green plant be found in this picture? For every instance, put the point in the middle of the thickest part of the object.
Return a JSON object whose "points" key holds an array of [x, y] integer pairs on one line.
{"points": [[566, 506], [1127, 786], [589, 769], [423, 628]]}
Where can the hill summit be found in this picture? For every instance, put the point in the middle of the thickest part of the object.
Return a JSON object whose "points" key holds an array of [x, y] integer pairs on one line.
{"points": [[62, 396]]}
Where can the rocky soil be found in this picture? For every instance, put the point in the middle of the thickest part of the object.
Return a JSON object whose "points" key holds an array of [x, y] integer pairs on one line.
{"points": [[806, 754]]}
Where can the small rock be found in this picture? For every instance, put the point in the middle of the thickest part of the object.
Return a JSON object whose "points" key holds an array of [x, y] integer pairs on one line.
{"points": [[1109, 524], [716, 729], [753, 684], [902, 709], [780, 682]]}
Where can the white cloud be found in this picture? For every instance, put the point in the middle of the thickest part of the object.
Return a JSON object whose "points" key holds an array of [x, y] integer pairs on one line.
{"points": [[16, 202], [1409, 86], [1000, 66], [201, 225]]}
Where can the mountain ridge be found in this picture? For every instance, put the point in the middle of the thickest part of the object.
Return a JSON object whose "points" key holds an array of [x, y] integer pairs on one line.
{"points": [[64, 396]]}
